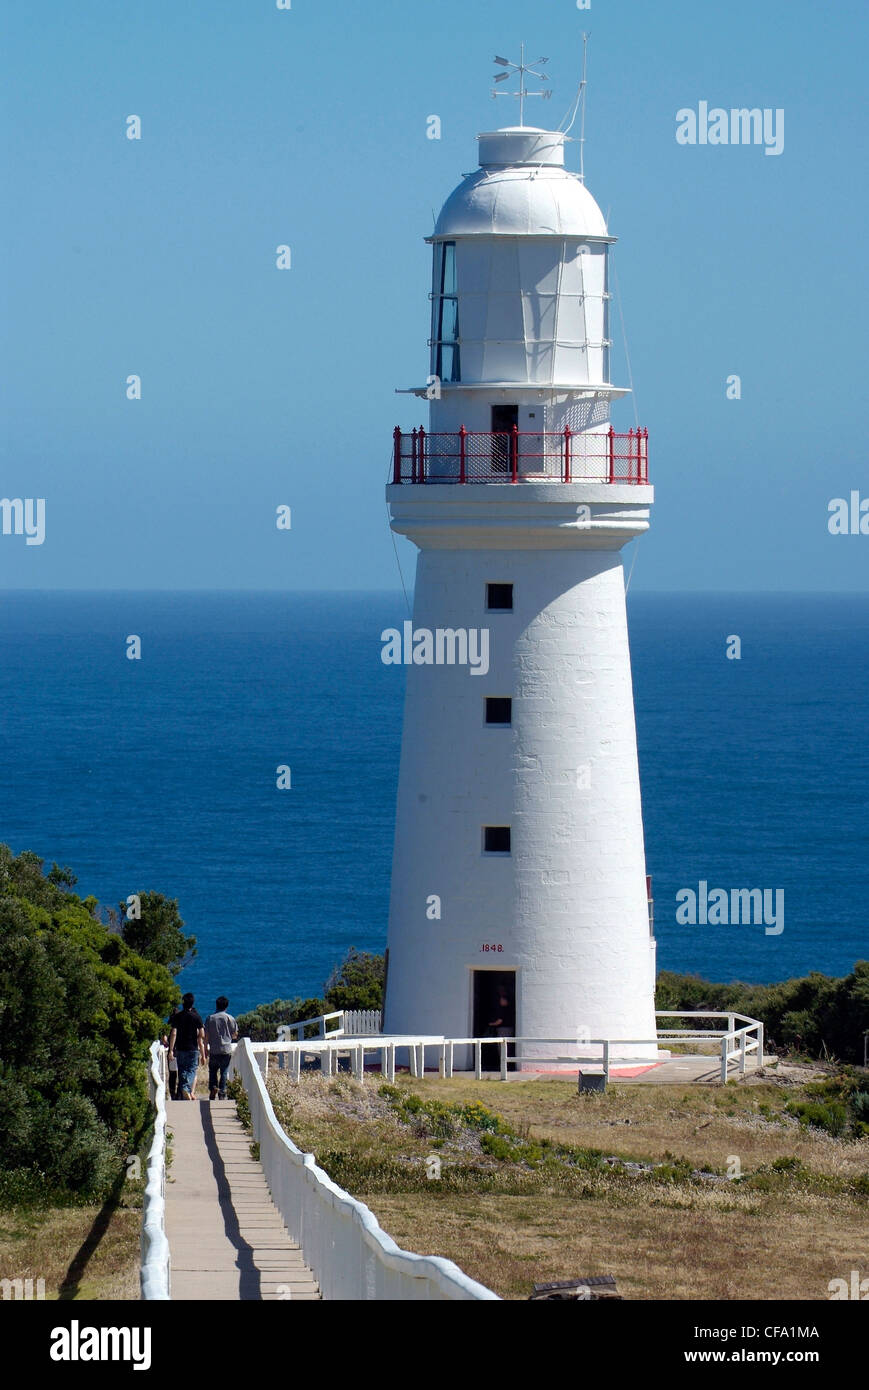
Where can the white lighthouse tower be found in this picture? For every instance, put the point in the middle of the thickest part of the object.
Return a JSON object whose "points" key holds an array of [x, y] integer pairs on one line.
{"points": [[519, 900]]}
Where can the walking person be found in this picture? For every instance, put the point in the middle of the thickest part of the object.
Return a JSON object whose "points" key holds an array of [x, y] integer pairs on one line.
{"points": [[221, 1031], [172, 1062], [187, 1046]]}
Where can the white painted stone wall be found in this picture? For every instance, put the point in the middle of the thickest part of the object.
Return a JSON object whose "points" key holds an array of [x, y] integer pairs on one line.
{"points": [[569, 904]]}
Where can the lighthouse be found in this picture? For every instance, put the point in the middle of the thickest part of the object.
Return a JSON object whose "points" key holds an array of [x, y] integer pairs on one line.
{"points": [[519, 902]]}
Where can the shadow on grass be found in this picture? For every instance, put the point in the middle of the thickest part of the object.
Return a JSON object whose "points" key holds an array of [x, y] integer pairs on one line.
{"points": [[71, 1285]]}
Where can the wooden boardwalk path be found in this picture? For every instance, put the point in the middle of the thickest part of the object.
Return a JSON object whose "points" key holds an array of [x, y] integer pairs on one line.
{"points": [[226, 1237]]}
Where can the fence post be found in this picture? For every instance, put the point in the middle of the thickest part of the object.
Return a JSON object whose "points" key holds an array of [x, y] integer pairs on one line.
{"points": [[503, 1059], [421, 478], [421, 1071], [606, 1060], [442, 1059], [514, 444], [297, 1064], [478, 1060], [567, 433], [612, 455], [742, 1053], [724, 1049], [760, 1045], [462, 433], [396, 454]]}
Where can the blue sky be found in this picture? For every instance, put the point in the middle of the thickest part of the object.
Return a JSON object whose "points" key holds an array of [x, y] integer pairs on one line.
{"points": [[308, 127]]}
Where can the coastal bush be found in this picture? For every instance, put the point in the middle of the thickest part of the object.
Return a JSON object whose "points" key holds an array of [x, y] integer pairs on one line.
{"points": [[261, 1024], [78, 1011], [158, 932], [357, 983], [817, 1015], [838, 1105]]}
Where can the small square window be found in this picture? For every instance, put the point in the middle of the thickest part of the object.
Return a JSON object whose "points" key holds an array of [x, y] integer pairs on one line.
{"points": [[499, 597], [499, 709], [496, 839]]}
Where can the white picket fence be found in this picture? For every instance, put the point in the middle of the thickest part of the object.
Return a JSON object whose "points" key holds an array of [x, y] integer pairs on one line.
{"points": [[350, 1255], [154, 1277], [362, 1023], [340, 1023]]}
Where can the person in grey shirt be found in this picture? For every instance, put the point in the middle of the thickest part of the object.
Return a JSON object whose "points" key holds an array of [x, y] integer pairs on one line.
{"points": [[221, 1031]]}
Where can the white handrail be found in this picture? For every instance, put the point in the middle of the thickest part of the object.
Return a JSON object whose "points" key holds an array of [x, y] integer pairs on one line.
{"points": [[342, 1242], [735, 1044], [154, 1277], [287, 1029]]}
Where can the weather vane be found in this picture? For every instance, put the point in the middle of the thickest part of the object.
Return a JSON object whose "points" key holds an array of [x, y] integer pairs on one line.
{"points": [[522, 68]]}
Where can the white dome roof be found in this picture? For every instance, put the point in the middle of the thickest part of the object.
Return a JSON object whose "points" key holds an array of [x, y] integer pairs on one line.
{"points": [[522, 189]]}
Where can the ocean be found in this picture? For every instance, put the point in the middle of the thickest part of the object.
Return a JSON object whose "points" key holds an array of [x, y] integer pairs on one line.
{"points": [[160, 773]]}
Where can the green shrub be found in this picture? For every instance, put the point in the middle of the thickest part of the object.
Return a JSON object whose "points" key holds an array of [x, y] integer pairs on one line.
{"points": [[78, 1012], [860, 1105], [817, 1015], [261, 1024], [674, 1169], [787, 1164], [357, 983], [831, 1116], [478, 1116]]}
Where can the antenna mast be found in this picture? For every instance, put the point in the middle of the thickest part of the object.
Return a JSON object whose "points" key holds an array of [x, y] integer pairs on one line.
{"points": [[582, 87], [521, 67]]}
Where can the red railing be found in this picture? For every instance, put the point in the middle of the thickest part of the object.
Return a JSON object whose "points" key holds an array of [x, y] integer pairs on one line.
{"points": [[519, 456]]}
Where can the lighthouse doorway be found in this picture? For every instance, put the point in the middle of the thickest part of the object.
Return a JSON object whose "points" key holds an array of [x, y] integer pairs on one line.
{"points": [[494, 1012], [504, 417]]}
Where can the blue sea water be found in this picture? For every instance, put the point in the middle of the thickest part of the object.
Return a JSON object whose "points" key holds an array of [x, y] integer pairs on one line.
{"points": [[160, 773]]}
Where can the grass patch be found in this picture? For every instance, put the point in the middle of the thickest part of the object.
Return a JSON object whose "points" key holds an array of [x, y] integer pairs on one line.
{"points": [[47, 1244], [672, 1189]]}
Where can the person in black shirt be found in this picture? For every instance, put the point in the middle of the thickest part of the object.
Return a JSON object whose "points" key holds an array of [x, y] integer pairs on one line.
{"points": [[173, 1069], [187, 1046]]}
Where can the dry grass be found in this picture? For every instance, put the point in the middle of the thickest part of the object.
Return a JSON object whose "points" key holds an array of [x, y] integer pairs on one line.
{"points": [[45, 1245], [686, 1238], [659, 1245]]}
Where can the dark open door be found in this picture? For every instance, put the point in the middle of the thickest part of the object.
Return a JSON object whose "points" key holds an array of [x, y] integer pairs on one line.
{"points": [[504, 417], [494, 1011]]}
